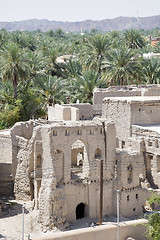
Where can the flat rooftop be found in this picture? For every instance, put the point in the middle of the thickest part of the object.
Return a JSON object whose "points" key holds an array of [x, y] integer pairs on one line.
{"points": [[152, 128], [134, 99]]}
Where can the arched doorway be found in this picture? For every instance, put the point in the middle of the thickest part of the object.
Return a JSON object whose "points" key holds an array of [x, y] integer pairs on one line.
{"points": [[79, 160], [80, 211]]}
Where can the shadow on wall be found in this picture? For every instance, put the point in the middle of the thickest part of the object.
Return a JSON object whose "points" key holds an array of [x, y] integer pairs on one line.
{"points": [[1, 236], [10, 209]]}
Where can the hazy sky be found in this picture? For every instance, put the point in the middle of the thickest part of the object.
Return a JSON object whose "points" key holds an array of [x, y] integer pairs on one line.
{"points": [[76, 10]]}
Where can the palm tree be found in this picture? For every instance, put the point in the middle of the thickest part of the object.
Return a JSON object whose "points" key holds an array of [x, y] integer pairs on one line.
{"points": [[4, 37], [151, 70], [134, 39], [6, 92], [36, 63], [51, 53], [13, 65], [95, 50], [59, 33], [82, 86], [72, 68], [52, 88], [121, 66]]}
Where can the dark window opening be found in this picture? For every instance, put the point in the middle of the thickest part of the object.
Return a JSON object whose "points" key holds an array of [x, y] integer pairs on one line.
{"points": [[149, 143], [128, 198], [67, 133], [134, 209], [123, 144], [80, 211], [54, 133], [156, 144], [137, 196], [79, 132]]}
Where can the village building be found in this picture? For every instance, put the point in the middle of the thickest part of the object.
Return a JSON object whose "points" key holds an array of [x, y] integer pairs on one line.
{"points": [[56, 162], [154, 41]]}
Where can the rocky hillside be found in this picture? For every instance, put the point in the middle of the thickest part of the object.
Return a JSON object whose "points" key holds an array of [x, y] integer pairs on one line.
{"points": [[119, 23]]}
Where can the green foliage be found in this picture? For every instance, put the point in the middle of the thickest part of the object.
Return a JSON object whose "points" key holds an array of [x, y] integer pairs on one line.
{"points": [[134, 39], [52, 89], [32, 76], [10, 114], [151, 70], [154, 199], [95, 50], [32, 102], [81, 86], [153, 225], [121, 67]]}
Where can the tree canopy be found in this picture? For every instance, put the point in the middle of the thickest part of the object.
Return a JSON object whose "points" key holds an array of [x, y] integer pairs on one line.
{"points": [[39, 68]]}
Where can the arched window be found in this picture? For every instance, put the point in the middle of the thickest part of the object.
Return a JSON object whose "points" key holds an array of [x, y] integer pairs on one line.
{"points": [[98, 153]]}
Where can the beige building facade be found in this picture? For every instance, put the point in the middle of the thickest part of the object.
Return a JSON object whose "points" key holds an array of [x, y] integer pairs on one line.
{"points": [[56, 163]]}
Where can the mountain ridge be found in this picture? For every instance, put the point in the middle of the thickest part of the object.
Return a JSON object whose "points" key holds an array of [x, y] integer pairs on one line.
{"points": [[118, 24]]}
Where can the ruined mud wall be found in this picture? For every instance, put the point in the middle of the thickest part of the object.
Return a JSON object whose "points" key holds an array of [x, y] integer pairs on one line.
{"points": [[21, 134], [129, 170], [5, 147], [146, 111], [6, 180], [85, 110], [119, 111], [61, 189], [123, 91], [100, 93], [150, 136]]}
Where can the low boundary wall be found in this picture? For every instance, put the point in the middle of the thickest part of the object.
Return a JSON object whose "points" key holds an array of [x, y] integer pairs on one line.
{"points": [[134, 229]]}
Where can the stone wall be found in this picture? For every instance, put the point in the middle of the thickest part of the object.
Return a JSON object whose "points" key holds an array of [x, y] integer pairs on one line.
{"points": [[59, 167], [151, 151], [135, 229], [5, 147], [85, 110], [128, 111], [145, 111], [123, 91], [21, 134], [72, 112], [118, 110], [63, 112], [6, 180]]}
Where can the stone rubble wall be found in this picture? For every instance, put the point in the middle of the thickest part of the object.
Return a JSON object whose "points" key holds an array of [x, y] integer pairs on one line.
{"points": [[123, 91], [5, 147], [145, 112], [118, 111], [21, 134], [56, 192], [6, 180]]}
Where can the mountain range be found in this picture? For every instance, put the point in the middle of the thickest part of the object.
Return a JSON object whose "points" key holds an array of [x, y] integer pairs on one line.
{"points": [[118, 24]]}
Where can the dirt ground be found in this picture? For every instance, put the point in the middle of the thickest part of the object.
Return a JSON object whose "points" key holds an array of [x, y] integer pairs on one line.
{"points": [[11, 222]]}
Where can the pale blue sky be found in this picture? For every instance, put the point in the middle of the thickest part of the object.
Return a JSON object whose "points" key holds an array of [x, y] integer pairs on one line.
{"points": [[76, 10]]}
